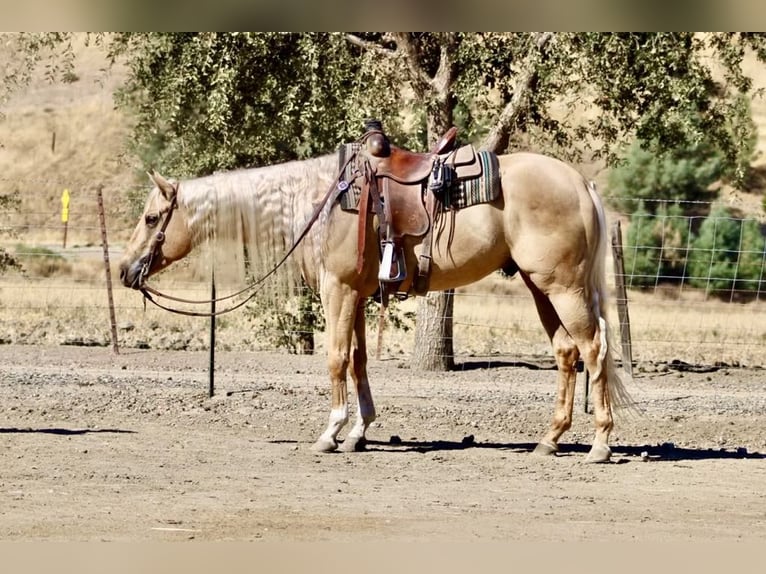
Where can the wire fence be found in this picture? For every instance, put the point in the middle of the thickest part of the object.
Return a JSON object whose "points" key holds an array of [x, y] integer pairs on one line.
{"points": [[694, 295]]}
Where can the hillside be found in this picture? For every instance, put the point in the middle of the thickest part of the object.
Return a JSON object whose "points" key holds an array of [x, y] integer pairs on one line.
{"points": [[67, 136]]}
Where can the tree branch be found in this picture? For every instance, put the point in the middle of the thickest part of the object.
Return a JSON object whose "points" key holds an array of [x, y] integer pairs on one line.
{"points": [[373, 46], [421, 82], [497, 137], [442, 80]]}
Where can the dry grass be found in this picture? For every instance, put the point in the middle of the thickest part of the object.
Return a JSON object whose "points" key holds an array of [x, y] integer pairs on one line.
{"points": [[494, 319]]}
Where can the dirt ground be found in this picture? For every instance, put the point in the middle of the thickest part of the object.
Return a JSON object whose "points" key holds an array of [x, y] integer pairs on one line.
{"points": [[97, 446]]}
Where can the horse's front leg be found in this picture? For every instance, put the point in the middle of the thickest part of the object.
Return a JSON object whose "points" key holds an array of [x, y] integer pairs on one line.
{"points": [[365, 414], [340, 304]]}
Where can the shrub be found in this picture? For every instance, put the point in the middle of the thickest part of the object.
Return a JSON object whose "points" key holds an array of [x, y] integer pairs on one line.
{"points": [[680, 175], [41, 261], [728, 255], [8, 261], [11, 202], [289, 324], [656, 245], [685, 172]]}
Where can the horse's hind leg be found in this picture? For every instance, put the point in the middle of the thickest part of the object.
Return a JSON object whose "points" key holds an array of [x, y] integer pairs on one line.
{"points": [[365, 414], [589, 334], [575, 332], [566, 354]]}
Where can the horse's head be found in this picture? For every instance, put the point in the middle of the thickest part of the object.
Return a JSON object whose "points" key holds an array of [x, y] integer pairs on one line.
{"points": [[161, 236]]}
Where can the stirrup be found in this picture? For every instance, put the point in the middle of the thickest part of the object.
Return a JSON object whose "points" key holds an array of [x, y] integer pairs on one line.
{"points": [[384, 273]]}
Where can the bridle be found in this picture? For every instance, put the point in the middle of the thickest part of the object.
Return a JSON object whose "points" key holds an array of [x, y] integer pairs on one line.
{"points": [[337, 186], [159, 237]]}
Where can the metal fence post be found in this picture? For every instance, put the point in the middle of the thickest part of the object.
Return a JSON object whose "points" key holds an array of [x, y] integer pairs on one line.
{"points": [[211, 384]]}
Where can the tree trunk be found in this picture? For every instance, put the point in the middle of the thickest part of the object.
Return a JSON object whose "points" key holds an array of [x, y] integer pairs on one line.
{"points": [[433, 332], [434, 350]]}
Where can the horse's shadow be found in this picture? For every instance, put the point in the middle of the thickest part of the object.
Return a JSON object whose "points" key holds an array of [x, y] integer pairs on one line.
{"points": [[62, 431], [661, 452]]}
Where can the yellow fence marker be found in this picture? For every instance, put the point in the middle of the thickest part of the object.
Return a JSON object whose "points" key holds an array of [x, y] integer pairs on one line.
{"points": [[65, 212]]}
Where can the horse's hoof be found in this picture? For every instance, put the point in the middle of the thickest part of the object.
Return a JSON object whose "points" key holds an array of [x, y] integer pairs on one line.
{"points": [[545, 448], [353, 444], [324, 445], [599, 453]]}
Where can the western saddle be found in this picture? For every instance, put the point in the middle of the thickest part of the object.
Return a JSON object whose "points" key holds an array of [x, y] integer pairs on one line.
{"points": [[405, 189]]}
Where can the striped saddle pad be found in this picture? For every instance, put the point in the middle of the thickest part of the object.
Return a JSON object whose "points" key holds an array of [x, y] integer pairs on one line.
{"points": [[482, 185]]}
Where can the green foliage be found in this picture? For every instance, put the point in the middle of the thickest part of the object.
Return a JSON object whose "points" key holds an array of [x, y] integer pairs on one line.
{"points": [[24, 52], [395, 317], [208, 101], [8, 202], [290, 325], [8, 261], [728, 255], [658, 245], [684, 173], [651, 179], [672, 90], [211, 101], [744, 134]]}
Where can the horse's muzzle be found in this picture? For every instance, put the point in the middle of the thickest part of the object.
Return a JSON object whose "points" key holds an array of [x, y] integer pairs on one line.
{"points": [[133, 275]]}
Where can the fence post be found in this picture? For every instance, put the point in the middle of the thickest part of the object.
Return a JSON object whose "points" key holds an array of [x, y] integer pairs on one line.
{"points": [[211, 383], [102, 218], [580, 364], [622, 298]]}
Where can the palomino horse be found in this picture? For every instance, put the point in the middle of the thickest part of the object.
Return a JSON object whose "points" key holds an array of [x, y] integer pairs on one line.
{"points": [[547, 222]]}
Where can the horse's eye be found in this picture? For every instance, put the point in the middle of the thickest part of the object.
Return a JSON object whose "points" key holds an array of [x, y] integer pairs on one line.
{"points": [[152, 219]]}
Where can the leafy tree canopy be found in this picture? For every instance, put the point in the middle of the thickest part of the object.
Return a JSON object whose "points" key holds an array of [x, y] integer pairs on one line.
{"points": [[208, 101]]}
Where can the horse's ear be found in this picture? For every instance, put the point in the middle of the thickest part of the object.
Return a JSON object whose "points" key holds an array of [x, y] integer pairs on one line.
{"points": [[167, 188]]}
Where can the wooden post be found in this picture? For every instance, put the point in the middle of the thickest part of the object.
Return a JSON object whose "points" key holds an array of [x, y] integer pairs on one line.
{"points": [[102, 218], [622, 299]]}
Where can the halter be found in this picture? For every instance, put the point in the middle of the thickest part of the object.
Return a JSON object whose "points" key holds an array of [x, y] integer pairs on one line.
{"points": [[337, 187]]}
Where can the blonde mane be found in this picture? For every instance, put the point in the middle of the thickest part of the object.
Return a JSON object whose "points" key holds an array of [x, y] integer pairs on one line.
{"points": [[259, 212]]}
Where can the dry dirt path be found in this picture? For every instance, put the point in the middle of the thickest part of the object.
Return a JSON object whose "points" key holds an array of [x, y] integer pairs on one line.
{"points": [[95, 446]]}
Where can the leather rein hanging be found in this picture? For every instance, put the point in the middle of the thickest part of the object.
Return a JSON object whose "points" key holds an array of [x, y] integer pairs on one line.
{"points": [[330, 196]]}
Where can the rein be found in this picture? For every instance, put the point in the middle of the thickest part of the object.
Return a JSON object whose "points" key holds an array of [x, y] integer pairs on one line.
{"points": [[335, 189]]}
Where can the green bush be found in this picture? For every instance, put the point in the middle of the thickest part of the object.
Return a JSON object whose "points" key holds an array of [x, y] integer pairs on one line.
{"points": [[684, 173], [656, 245], [681, 175], [290, 323], [10, 202], [8, 261], [727, 256]]}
